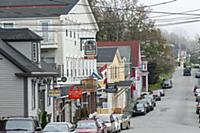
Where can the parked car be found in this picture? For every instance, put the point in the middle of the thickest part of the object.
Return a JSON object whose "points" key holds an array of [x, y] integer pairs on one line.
{"points": [[103, 126], [117, 123], [197, 108], [167, 83], [21, 124], [124, 121], [197, 74], [56, 127], [196, 91], [187, 72], [88, 126], [152, 98], [156, 95], [138, 109], [109, 121], [198, 97], [196, 65], [162, 92]]}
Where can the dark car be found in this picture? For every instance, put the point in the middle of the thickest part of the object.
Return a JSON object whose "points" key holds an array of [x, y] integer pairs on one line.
{"points": [[21, 125], [167, 83], [139, 109], [197, 108], [187, 72]]}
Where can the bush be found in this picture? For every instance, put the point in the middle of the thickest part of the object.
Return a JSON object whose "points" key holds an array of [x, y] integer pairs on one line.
{"points": [[44, 119]]}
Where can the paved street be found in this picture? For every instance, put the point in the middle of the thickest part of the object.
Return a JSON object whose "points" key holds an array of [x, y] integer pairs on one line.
{"points": [[175, 113]]}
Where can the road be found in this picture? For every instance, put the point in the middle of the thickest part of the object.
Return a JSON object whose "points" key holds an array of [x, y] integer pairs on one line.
{"points": [[175, 113]]}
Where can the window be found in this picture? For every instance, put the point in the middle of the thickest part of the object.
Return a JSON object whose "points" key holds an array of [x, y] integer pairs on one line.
{"points": [[71, 34], [66, 33], [74, 35], [71, 68], [8, 25], [67, 65], [45, 31], [74, 43], [116, 72], [48, 59], [33, 94], [34, 52], [49, 98]]}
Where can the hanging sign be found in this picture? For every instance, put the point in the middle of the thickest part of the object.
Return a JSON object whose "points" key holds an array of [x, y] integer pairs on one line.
{"points": [[74, 92]]}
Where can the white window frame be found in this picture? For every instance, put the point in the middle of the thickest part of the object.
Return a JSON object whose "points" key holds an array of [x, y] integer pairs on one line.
{"points": [[6, 22]]}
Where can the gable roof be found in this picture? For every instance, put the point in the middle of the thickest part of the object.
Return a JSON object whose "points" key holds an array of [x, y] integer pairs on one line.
{"points": [[134, 46], [23, 34], [35, 8], [106, 54], [21, 61]]}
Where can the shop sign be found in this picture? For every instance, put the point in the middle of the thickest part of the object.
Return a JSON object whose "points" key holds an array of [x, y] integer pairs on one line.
{"points": [[89, 85], [74, 92], [54, 93]]}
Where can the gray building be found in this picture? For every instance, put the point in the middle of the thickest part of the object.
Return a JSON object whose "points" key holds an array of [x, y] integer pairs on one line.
{"points": [[24, 79]]}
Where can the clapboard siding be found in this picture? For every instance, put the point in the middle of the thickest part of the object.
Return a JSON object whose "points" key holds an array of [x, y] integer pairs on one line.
{"points": [[11, 88]]}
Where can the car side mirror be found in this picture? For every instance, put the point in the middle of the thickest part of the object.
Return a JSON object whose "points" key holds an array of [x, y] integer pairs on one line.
{"points": [[38, 129]]}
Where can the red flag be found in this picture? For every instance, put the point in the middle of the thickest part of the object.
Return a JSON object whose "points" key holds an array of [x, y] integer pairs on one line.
{"points": [[103, 68]]}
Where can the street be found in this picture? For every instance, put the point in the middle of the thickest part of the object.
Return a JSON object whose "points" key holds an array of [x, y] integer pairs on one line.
{"points": [[175, 113]]}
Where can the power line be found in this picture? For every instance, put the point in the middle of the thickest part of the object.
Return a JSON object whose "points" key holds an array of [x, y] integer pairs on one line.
{"points": [[188, 11], [177, 23]]}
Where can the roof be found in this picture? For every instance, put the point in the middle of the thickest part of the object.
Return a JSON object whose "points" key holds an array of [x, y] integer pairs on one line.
{"points": [[106, 54], [22, 61], [23, 34], [134, 46], [35, 8]]}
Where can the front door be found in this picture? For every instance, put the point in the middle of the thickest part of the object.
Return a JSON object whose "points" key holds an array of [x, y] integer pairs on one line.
{"points": [[41, 97]]}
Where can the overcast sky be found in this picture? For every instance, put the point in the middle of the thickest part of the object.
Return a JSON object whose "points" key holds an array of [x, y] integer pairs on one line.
{"points": [[190, 29]]}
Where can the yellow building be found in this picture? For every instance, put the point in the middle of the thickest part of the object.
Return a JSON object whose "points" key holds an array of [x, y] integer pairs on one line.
{"points": [[111, 66], [111, 57]]}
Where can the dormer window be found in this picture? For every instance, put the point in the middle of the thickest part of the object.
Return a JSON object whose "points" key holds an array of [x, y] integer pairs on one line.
{"points": [[7, 25]]}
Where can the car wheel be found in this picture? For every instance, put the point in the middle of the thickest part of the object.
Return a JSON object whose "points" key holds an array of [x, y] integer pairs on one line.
{"points": [[128, 126]]}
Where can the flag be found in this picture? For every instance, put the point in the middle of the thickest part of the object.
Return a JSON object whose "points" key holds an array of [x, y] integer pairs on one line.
{"points": [[95, 75], [103, 71]]}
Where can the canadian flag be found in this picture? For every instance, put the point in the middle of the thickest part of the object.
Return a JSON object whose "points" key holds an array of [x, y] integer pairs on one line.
{"points": [[103, 71]]}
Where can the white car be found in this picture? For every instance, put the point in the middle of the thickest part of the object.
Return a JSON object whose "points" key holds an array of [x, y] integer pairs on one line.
{"points": [[56, 127]]}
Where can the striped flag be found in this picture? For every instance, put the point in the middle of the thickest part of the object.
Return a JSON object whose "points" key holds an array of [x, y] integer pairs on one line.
{"points": [[103, 71]]}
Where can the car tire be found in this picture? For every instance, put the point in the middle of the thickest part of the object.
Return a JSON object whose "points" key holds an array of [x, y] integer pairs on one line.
{"points": [[128, 126]]}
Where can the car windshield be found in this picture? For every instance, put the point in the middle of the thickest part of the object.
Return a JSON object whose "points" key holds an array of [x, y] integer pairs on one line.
{"points": [[86, 125], [105, 118], [119, 116], [198, 90], [56, 128], [139, 105], [166, 81], [25, 125]]}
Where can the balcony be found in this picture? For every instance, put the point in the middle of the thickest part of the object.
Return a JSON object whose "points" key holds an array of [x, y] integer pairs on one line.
{"points": [[50, 41]]}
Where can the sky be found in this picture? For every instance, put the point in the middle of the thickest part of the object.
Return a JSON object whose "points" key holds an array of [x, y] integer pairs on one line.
{"points": [[188, 30]]}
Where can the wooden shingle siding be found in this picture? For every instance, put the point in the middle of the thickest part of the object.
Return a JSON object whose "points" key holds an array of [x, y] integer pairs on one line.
{"points": [[11, 88]]}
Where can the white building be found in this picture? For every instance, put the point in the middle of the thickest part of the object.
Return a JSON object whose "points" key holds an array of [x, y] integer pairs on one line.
{"points": [[68, 28]]}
